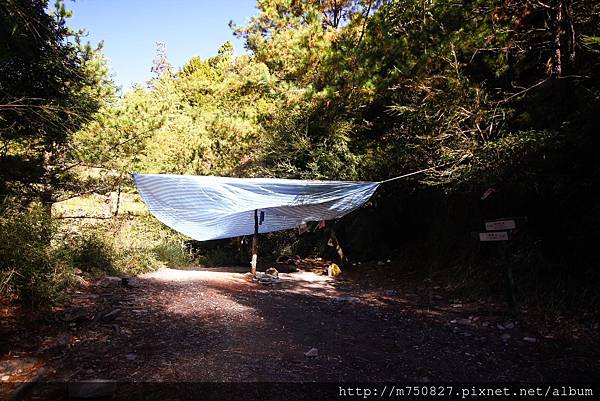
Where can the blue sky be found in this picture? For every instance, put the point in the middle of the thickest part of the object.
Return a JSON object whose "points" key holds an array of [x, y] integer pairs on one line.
{"points": [[130, 29]]}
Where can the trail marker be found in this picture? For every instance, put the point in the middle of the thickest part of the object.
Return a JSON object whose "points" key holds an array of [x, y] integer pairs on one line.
{"points": [[498, 225], [494, 236], [502, 230]]}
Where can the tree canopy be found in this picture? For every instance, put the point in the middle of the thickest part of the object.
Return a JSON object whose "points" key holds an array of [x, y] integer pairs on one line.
{"points": [[50, 85]]}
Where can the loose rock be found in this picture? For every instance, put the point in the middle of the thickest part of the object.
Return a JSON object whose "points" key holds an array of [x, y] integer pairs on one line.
{"points": [[265, 279], [109, 281], [130, 282], [74, 315], [312, 352]]}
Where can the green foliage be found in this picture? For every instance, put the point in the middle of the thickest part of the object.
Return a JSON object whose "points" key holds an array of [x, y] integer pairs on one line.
{"points": [[202, 120], [125, 246], [40, 259], [49, 87], [29, 268], [92, 252], [309, 141], [144, 244]]}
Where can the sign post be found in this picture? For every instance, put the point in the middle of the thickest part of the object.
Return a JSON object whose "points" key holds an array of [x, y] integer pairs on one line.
{"points": [[493, 236], [510, 282], [502, 231], [496, 225]]}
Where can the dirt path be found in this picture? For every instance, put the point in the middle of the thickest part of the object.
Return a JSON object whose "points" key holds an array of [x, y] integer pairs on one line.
{"points": [[220, 326]]}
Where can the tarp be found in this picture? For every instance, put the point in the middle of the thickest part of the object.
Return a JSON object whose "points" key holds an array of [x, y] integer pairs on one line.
{"points": [[207, 207]]}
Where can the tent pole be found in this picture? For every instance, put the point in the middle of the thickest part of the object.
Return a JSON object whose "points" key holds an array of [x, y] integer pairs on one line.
{"points": [[254, 244]]}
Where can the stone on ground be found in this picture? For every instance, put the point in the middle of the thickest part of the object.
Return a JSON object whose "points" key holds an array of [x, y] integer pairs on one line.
{"points": [[130, 282], [109, 281], [312, 353]]}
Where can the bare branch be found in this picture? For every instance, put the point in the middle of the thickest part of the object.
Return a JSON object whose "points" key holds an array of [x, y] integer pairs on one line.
{"points": [[364, 26]]}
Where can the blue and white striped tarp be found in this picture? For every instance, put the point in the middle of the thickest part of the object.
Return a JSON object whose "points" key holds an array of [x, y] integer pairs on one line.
{"points": [[206, 207]]}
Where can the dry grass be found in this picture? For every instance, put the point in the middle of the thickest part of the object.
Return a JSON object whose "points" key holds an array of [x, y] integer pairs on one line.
{"points": [[100, 206]]}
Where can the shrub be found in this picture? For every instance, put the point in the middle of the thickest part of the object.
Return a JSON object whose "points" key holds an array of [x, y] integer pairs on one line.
{"points": [[93, 252], [29, 269], [144, 244]]}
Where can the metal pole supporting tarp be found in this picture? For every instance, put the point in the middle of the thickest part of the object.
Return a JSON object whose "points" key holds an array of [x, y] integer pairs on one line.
{"points": [[254, 244]]}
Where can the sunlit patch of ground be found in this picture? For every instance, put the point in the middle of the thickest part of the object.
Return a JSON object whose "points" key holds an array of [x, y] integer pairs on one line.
{"points": [[221, 275], [300, 282]]}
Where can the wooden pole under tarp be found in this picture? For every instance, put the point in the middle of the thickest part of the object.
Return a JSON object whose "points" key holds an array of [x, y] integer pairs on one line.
{"points": [[338, 248], [254, 244]]}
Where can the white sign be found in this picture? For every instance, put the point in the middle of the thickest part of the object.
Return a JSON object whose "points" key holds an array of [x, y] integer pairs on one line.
{"points": [[494, 236], [500, 225]]}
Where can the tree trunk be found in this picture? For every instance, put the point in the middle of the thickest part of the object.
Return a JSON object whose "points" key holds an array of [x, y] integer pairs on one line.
{"points": [[364, 26], [555, 14], [570, 32], [338, 248], [118, 201], [47, 191]]}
